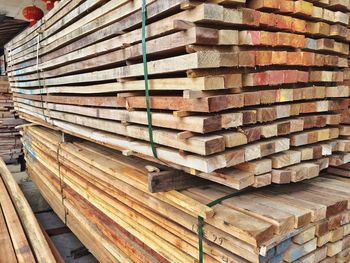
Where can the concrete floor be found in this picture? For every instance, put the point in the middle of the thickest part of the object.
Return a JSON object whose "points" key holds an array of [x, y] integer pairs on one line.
{"points": [[71, 249]]}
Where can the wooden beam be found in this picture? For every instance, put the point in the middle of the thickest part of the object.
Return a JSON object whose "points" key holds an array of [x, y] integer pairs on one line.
{"points": [[37, 240]]}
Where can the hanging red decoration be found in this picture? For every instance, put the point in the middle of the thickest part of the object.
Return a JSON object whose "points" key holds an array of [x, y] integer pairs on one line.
{"points": [[33, 14], [50, 4]]}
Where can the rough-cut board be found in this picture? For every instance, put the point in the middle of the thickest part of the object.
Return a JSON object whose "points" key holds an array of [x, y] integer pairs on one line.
{"points": [[21, 238], [266, 82], [339, 161], [105, 193]]}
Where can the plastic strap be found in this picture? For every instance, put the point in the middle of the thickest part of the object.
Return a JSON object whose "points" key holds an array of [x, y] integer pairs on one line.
{"points": [[145, 71], [201, 222]]}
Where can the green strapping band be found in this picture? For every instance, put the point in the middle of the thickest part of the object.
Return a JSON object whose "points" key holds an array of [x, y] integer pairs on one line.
{"points": [[145, 71], [201, 222]]}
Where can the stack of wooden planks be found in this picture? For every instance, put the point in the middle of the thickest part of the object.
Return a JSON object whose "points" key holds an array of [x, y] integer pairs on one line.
{"points": [[339, 161], [103, 197], [10, 143], [243, 93], [22, 239]]}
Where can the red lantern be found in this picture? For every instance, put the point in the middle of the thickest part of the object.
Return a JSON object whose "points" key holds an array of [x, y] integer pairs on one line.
{"points": [[33, 14], [50, 4]]}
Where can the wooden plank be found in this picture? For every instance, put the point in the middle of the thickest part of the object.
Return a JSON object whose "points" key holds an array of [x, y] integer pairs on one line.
{"points": [[305, 236], [7, 249], [19, 240], [32, 229], [199, 124], [303, 208], [282, 221], [296, 251], [208, 221], [171, 180]]}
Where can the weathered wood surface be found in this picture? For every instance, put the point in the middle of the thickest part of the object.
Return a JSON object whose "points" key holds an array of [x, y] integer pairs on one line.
{"points": [[240, 96], [242, 93], [22, 240], [96, 185], [339, 161]]}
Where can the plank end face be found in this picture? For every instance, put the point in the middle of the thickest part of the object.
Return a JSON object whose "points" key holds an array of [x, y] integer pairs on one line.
{"points": [[164, 181]]}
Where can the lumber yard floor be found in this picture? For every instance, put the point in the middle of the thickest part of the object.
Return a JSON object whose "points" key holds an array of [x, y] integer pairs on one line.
{"points": [[68, 245], [71, 249]]}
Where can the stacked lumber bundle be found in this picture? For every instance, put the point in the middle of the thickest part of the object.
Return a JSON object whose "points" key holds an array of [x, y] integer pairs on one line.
{"points": [[10, 143], [22, 239], [339, 161], [103, 197], [243, 93]]}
